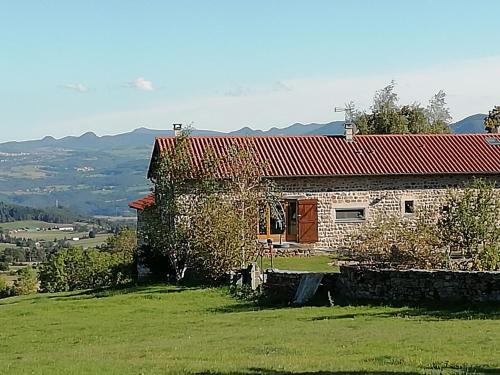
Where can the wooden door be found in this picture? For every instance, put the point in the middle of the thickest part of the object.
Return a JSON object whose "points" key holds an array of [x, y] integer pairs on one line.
{"points": [[308, 221]]}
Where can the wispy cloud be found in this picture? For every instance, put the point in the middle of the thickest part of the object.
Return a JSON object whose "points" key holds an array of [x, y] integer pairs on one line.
{"points": [[140, 83], [281, 86], [78, 87], [238, 91]]}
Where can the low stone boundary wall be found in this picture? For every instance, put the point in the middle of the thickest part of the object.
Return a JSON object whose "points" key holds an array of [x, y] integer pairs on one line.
{"points": [[281, 286], [357, 284], [385, 285]]}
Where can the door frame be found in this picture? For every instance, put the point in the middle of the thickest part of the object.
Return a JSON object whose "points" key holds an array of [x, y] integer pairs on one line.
{"points": [[291, 237]]}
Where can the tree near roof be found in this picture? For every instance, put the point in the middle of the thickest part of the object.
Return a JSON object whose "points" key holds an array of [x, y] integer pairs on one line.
{"points": [[202, 221], [388, 117], [492, 121]]}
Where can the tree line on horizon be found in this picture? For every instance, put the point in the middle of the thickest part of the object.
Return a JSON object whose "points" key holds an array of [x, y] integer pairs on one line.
{"points": [[12, 212]]}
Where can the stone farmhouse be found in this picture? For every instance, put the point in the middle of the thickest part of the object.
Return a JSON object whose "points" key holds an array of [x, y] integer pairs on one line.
{"points": [[332, 184]]}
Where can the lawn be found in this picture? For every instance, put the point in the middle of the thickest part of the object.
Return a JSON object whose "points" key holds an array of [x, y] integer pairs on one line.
{"points": [[318, 263], [172, 330]]}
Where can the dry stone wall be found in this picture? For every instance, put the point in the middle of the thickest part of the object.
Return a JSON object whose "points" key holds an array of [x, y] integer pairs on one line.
{"points": [[359, 284], [378, 195]]}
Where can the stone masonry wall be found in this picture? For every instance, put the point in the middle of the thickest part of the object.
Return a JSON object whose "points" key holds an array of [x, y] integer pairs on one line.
{"points": [[358, 284], [378, 195]]}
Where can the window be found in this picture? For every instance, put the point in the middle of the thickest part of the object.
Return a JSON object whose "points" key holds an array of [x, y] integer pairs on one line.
{"points": [[350, 214], [409, 207], [493, 141]]}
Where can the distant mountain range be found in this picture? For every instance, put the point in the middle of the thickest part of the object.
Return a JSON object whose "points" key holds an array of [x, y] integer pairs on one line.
{"points": [[95, 175], [144, 137]]}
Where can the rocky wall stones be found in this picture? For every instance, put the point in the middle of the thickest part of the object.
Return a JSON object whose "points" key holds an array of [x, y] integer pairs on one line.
{"points": [[388, 285], [360, 284]]}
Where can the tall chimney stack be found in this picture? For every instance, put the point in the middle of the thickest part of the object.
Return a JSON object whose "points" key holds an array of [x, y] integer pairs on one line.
{"points": [[349, 131], [177, 130]]}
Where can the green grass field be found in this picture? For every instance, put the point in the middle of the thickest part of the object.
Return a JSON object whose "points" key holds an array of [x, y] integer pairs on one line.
{"points": [[49, 235], [26, 224], [92, 242], [318, 263], [173, 330]]}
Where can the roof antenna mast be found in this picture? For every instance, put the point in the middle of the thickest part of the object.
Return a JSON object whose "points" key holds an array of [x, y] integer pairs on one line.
{"points": [[349, 126]]}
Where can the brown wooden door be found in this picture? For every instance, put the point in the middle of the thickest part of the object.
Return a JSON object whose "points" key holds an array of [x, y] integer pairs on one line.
{"points": [[308, 221]]}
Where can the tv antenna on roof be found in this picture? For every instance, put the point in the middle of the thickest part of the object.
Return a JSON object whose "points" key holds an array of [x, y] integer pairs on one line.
{"points": [[348, 109], [349, 126]]}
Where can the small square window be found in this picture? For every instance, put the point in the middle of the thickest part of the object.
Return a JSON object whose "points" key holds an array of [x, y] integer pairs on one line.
{"points": [[409, 207]]}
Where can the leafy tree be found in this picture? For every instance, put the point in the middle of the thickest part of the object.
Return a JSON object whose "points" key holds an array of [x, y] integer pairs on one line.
{"points": [[492, 121], [217, 234], [470, 223], [201, 221], [438, 114], [124, 245], [26, 282], [91, 234], [168, 232], [388, 117]]}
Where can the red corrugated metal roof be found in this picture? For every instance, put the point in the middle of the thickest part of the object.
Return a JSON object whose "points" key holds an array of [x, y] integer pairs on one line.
{"points": [[415, 154], [142, 203]]}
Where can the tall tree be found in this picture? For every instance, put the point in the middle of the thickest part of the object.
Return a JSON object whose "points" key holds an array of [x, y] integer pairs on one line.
{"points": [[438, 114], [203, 219], [388, 117]]}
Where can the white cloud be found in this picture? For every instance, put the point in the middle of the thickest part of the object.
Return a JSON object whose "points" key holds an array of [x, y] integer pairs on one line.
{"points": [[142, 84], [472, 87], [76, 87]]}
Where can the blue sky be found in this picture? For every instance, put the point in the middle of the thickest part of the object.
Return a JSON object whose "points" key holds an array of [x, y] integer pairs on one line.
{"points": [[111, 66]]}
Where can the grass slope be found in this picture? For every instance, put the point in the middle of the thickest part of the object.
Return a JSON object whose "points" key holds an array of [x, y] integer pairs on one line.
{"points": [[166, 329]]}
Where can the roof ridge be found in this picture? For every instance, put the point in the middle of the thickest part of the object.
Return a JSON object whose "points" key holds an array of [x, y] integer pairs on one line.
{"points": [[434, 135]]}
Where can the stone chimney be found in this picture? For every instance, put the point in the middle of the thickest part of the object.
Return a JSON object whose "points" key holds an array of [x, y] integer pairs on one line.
{"points": [[177, 130], [350, 131]]}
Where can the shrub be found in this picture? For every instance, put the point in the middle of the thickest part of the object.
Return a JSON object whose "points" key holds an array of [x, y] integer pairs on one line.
{"points": [[5, 290], [75, 268], [217, 240], [4, 266], [401, 244], [26, 282]]}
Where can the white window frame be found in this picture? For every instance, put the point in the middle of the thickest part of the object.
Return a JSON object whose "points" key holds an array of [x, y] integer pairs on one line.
{"points": [[405, 199]]}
